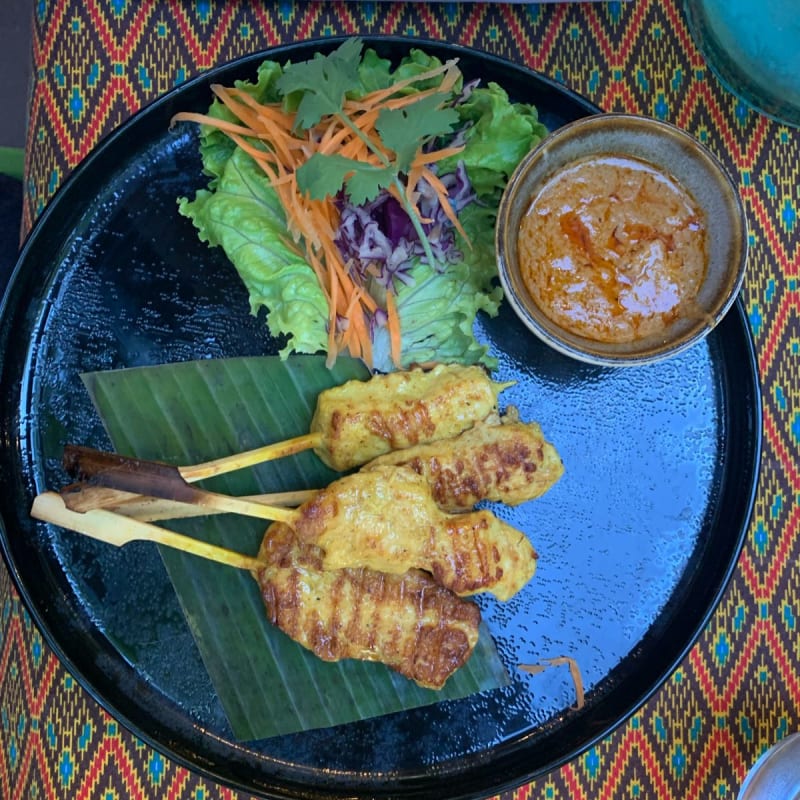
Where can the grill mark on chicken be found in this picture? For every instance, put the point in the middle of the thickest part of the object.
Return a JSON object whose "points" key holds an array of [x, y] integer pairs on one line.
{"points": [[403, 426], [408, 621], [507, 462], [360, 420], [386, 519], [468, 561]]}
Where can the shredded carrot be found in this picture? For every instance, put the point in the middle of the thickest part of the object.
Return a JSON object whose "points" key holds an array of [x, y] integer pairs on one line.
{"points": [[437, 155], [266, 132], [574, 672], [221, 124], [393, 326], [358, 319], [433, 180]]}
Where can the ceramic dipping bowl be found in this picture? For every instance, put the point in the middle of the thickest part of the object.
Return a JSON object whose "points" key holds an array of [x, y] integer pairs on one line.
{"points": [[670, 152]]}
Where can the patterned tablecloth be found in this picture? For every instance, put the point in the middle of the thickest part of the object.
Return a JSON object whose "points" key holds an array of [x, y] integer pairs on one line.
{"points": [[738, 691]]}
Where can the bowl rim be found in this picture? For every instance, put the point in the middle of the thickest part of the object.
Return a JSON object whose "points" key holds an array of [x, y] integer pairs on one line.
{"points": [[606, 353]]}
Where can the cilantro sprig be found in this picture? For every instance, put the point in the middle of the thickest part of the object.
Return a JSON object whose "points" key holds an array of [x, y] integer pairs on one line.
{"points": [[323, 83]]}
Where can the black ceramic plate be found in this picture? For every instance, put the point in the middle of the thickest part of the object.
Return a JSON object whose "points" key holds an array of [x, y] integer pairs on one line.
{"points": [[636, 542]]}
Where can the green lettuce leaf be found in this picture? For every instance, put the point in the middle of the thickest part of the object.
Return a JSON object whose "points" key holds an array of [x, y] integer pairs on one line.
{"points": [[244, 216], [501, 134], [378, 73], [438, 310], [215, 146]]}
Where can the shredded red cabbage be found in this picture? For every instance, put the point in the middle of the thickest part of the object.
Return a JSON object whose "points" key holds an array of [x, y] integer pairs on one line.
{"points": [[378, 240]]}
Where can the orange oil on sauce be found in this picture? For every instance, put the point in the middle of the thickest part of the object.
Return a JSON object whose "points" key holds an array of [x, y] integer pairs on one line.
{"points": [[613, 249]]}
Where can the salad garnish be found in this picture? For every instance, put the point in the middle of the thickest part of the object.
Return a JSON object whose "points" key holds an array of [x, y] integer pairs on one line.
{"points": [[357, 203]]}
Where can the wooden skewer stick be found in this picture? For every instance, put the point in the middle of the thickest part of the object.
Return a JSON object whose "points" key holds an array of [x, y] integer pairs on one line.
{"points": [[85, 497], [453, 398], [157, 479], [118, 530], [250, 458]]}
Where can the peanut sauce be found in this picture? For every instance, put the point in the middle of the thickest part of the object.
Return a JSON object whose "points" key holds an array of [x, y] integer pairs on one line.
{"points": [[613, 249]]}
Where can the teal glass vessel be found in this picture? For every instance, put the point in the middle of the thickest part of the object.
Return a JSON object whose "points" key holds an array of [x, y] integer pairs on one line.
{"points": [[754, 50]]}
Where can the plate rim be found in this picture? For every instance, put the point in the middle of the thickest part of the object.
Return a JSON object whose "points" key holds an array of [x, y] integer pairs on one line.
{"points": [[413, 787]]}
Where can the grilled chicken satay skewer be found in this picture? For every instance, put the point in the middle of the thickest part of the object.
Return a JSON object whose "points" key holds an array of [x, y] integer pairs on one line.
{"points": [[352, 424], [384, 518], [118, 530], [408, 622], [360, 420], [500, 459]]}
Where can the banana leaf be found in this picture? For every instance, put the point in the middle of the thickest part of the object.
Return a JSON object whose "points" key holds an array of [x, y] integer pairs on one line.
{"points": [[196, 411]]}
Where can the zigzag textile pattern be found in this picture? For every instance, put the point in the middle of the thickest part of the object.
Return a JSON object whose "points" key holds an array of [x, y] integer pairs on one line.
{"points": [[738, 691]]}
